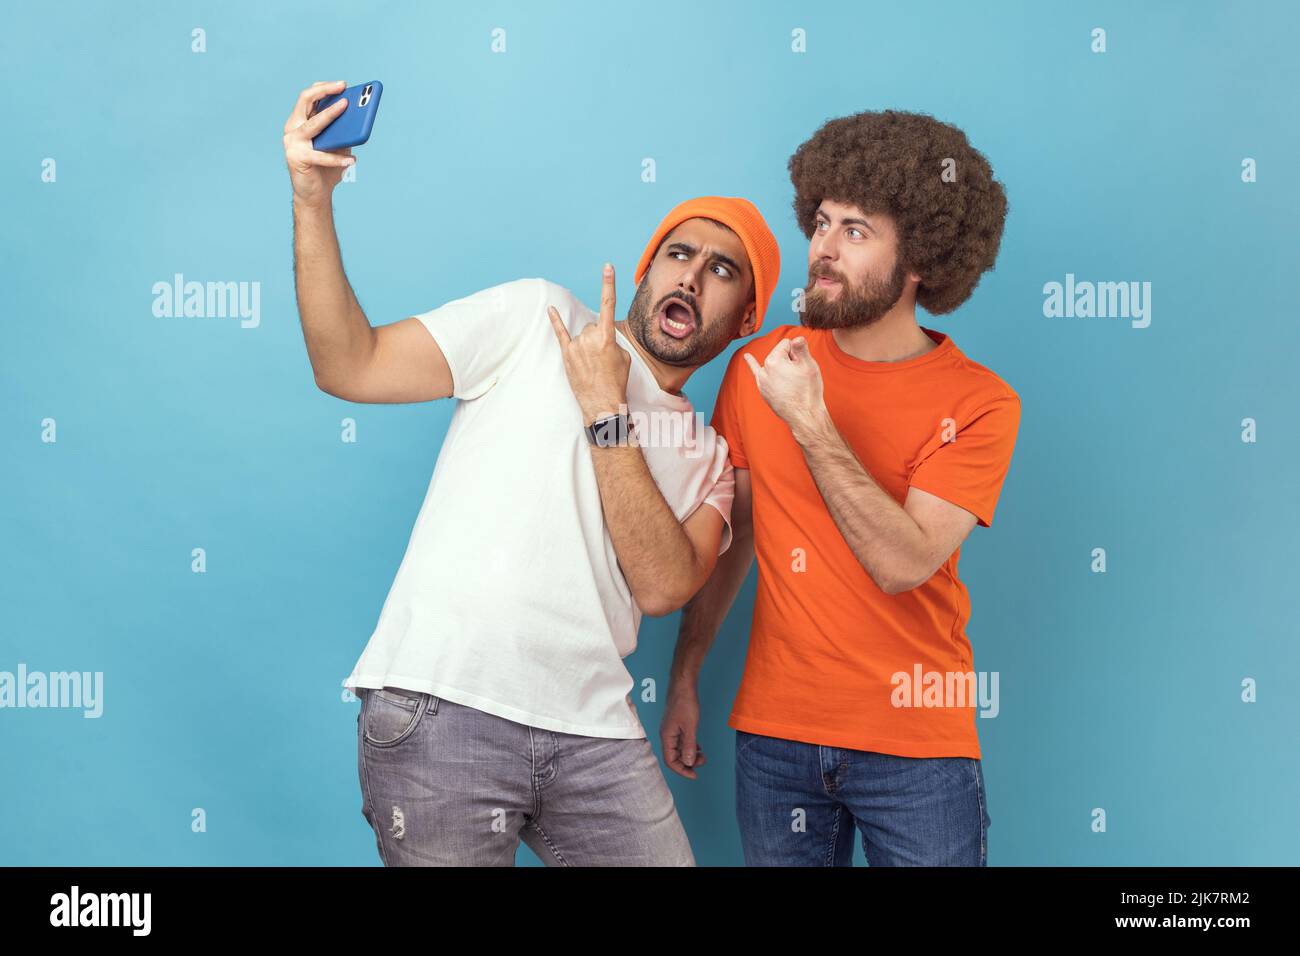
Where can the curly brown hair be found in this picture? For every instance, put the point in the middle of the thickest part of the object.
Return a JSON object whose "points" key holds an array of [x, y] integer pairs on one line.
{"points": [[892, 162]]}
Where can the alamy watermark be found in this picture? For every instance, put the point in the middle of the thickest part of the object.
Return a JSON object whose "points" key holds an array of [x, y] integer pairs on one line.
{"points": [[209, 300], [659, 429], [81, 690], [1102, 300], [76, 908], [922, 688]]}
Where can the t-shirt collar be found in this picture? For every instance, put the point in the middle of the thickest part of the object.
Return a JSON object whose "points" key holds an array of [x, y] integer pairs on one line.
{"points": [[944, 346]]}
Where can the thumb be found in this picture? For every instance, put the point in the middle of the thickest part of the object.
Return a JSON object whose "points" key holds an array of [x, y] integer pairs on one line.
{"points": [[688, 746], [753, 365], [799, 348]]}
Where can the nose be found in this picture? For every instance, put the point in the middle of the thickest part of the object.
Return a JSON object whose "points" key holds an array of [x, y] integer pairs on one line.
{"points": [[824, 249], [689, 280]]}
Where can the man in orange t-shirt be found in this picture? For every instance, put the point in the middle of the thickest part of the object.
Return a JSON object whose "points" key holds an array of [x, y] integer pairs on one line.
{"points": [[866, 448]]}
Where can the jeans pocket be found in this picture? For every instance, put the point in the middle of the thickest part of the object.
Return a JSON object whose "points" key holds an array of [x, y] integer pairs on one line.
{"points": [[959, 770], [745, 740], [390, 715]]}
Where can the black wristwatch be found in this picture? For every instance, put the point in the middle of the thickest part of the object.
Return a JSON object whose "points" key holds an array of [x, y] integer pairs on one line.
{"points": [[610, 431]]}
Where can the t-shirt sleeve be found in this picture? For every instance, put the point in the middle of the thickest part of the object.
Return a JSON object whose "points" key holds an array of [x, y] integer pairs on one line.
{"points": [[478, 334], [721, 496], [726, 418], [969, 469]]}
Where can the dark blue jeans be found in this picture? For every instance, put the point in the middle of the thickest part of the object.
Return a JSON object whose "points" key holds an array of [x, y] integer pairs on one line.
{"points": [[798, 804]]}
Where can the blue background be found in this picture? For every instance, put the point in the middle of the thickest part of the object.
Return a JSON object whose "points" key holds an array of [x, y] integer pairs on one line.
{"points": [[1118, 690]]}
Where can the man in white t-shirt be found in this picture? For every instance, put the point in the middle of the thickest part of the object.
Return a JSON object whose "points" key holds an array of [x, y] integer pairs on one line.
{"points": [[566, 501]]}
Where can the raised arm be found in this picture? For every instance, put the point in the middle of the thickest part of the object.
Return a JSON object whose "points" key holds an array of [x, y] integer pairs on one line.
{"points": [[663, 560], [399, 362]]}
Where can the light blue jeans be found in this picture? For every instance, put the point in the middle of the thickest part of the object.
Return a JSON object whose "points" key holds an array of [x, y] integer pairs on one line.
{"points": [[443, 784], [797, 805]]}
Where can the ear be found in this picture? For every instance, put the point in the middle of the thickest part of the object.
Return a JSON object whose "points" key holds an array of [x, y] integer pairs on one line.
{"points": [[747, 321]]}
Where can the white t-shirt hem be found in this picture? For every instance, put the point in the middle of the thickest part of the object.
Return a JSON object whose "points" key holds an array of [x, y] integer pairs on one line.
{"points": [[540, 721]]}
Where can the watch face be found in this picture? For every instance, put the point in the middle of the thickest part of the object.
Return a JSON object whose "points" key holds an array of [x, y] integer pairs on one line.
{"points": [[608, 432]]}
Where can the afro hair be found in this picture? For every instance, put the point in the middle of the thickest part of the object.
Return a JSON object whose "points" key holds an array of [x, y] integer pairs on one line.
{"points": [[925, 174]]}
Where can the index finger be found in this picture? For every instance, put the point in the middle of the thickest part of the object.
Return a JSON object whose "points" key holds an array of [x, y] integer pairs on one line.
{"points": [[607, 301], [309, 96], [561, 333], [780, 350]]}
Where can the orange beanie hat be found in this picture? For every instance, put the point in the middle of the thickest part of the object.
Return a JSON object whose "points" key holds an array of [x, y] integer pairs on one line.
{"points": [[744, 219]]}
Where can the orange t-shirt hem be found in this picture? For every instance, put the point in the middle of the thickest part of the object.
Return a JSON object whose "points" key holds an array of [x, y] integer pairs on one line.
{"points": [[882, 745]]}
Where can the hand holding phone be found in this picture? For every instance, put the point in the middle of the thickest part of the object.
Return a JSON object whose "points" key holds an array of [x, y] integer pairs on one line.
{"points": [[352, 127], [315, 172]]}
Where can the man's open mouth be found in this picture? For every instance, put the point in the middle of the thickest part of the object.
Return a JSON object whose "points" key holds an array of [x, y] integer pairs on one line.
{"points": [[677, 319]]}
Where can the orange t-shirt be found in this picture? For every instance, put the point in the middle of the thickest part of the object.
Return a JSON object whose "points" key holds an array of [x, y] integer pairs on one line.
{"points": [[826, 642]]}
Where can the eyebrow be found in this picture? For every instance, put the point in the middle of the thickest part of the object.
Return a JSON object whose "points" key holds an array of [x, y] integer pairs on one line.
{"points": [[689, 249], [850, 220]]}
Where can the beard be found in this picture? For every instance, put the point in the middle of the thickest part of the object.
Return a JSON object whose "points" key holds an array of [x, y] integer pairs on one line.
{"points": [[703, 342], [856, 305]]}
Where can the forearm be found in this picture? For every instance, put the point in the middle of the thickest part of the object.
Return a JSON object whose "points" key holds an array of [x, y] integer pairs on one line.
{"points": [[335, 328], [655, 553], [887, 542], [704, 613]]}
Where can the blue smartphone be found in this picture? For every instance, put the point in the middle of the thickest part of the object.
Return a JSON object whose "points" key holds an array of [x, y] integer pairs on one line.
{"points": [[352, 126]]}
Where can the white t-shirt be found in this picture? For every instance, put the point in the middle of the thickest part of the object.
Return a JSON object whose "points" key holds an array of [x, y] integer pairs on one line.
{"points": [[510, 598]]}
